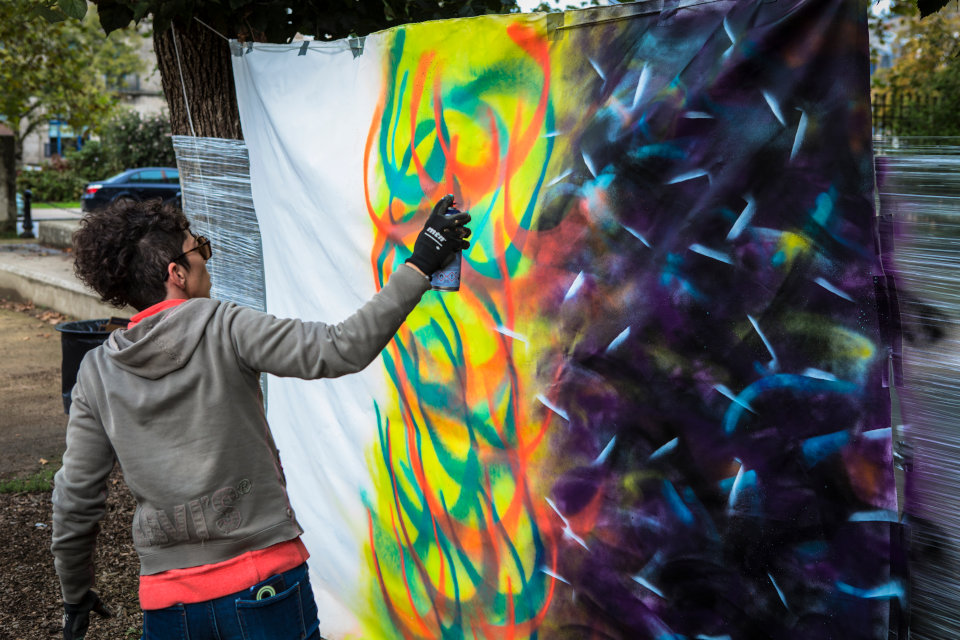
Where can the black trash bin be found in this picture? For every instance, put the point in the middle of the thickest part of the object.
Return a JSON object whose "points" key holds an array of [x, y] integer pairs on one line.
{"points": [[76, 338]]}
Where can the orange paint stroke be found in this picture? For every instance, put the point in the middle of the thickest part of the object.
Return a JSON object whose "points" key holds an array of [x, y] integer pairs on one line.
{"points": [[383, 586], [424, 630], [474, 180], [427, 184]]}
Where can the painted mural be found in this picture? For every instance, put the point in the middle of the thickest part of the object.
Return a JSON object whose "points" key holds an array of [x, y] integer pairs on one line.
{"points": [[656, 408]]}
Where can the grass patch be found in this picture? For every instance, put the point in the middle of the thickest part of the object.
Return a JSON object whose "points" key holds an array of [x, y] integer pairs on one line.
{"points": [[42, 480], [71, 204]]}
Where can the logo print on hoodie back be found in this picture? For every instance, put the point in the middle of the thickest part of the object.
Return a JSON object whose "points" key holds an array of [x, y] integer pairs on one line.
{"points": [[155, 527]]}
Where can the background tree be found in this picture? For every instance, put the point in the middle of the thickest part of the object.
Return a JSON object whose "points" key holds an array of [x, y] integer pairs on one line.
{"points": [[204, 57], [191, 50], [130, 140], [925, 74], [59, 70], [126, 141]]}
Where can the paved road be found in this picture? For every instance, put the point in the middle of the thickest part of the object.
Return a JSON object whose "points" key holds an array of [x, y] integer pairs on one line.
{"points": [[32, 422]]}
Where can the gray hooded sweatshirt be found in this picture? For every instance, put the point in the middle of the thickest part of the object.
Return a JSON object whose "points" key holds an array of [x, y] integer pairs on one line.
{"points": [[176, 401]]}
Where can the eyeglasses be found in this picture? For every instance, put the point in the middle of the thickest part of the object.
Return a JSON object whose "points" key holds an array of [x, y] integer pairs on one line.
{"points": [[203, 246]]}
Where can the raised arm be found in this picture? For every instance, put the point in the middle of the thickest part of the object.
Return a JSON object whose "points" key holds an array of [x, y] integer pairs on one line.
{"points": [[310, 350]]}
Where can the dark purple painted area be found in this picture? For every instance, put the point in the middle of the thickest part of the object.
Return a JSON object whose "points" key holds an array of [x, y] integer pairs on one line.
{"points": [[730, 251]]}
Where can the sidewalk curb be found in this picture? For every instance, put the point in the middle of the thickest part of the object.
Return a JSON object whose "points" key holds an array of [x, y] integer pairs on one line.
{"points": [[63, 296], [57, 233]]}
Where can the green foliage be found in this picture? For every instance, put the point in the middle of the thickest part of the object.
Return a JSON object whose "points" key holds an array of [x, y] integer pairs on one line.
{"points": [[60, 10], [91, 162], [53, 183], [926, 69], [75, 9], [58, 70], [40, 481], [62, 204], [554, 6], [130, 140], [278, 21]]}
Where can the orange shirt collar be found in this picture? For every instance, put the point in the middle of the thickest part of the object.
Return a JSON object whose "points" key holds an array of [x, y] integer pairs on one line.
{"points": [[157, 308]]}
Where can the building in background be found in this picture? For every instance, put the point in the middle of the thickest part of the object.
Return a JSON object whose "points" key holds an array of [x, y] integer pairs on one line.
{"points": [[141, 92]]}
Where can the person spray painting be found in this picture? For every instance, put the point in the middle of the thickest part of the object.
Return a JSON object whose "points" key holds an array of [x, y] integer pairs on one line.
{"points": [[175, 400]]}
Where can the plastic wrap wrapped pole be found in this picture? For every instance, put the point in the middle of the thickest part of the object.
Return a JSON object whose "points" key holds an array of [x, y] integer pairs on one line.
{"points": [[919, 188], [215, 179]]}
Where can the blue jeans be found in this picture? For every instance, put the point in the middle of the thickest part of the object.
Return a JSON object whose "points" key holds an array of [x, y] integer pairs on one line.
{"points": [[279, 608]]}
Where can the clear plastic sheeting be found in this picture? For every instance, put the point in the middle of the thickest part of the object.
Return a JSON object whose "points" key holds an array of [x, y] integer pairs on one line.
{"points": [[215, 178], [919, 190]]}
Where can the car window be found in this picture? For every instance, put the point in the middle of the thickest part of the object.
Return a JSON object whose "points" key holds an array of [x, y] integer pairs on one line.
{"points": [[171, 176], [132, 177], [116, 178], [153, 176]]}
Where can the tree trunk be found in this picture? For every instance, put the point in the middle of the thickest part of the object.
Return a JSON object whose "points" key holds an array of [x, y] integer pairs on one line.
{"points": [[204, 62], [8, 182]]}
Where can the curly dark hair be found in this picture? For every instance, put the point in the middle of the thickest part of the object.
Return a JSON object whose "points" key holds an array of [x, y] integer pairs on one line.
{"points": [[122, 251]]}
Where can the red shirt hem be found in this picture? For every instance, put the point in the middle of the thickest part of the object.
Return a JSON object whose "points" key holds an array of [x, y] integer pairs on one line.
{"points": [[209, 581]]}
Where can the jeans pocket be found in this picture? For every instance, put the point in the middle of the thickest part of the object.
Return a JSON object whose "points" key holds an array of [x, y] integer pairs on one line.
{"points": [[278, 617], [165, 624]]}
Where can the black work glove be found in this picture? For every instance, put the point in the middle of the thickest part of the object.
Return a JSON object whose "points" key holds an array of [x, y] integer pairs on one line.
{"points": [[441, 237], [76, 617]]}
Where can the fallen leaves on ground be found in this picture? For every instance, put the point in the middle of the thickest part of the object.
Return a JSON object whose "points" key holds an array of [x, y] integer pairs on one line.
{"points": [[44, 315], [30, 605]]}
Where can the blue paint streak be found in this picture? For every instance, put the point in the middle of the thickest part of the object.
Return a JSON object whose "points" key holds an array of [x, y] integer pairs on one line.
{"points": [[886, 591], [817, 448], [880, 515], [665, 449], [740, 482], [676, 503], [803, 385]]}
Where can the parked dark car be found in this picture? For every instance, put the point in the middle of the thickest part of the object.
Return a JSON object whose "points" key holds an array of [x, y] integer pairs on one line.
{"points": [[135, 184]]}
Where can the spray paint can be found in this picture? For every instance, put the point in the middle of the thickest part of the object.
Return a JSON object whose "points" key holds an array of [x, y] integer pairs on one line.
{"points": [[448, 277]]}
